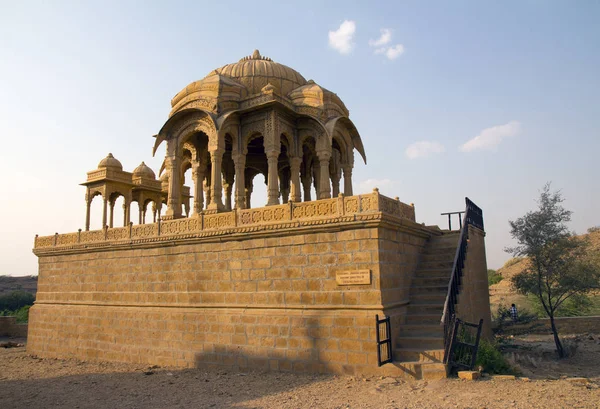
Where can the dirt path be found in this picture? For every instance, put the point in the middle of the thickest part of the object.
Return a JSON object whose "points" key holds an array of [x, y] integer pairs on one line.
{"points": [[27, 382]]}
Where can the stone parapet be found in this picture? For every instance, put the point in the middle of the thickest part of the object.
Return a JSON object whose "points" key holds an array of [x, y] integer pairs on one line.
{"points": [[280, 217]]}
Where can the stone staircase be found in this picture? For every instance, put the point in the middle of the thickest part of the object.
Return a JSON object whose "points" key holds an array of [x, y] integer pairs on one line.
{"points": [[419, 348]]}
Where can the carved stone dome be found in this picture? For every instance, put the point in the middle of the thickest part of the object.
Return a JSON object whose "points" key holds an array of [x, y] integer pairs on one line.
{"points": [[110, 163], [256, 71], [144, 171]]}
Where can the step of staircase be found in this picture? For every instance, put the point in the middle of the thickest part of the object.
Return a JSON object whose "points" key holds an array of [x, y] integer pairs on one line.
{"points": [[420, 309], [414, 370], [429, 290], [445, 250], [414, 317], [420, 298], [418, 355], [427, 281], [437, 256], [425, 330], [428, 265], [423, 342]]}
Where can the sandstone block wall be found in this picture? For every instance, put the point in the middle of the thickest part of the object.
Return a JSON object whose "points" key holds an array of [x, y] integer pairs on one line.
{"points": [[473, 299], [261, 302], [10, 328]]}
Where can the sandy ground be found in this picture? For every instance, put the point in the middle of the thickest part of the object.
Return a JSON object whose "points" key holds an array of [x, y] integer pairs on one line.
{"points": [[29, 382]]}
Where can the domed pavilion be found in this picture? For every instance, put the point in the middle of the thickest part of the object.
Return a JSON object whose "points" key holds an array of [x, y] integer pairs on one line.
{"points": [[253, 117]]}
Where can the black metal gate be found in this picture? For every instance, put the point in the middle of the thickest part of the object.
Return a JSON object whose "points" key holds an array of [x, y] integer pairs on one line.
{"points": [[462, 353], [384, 340]]}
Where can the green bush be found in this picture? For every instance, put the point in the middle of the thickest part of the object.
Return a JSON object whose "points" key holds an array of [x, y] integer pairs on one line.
{"points": [[15, 300], [491, 360], [493, 277], [22, 314]]}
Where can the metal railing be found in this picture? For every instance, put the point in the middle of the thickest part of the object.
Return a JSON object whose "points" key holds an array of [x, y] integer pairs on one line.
{"points": [[449, 214], [473, 217], [464, 344], [384, 340]]}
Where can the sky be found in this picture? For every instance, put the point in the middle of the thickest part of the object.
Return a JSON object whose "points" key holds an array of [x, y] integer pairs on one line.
{"points": [[486, 100]]}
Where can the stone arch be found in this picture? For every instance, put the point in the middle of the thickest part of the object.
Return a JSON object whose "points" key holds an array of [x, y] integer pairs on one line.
{"points": [[182, 122]]}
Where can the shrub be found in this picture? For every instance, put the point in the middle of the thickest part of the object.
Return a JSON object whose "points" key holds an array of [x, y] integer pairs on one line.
{"points": [[491, 360], [493, 277], [22, 314], [593, 229]]}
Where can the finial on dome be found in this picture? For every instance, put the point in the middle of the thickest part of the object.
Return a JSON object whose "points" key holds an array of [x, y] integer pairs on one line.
{"points": [[256, 55]]}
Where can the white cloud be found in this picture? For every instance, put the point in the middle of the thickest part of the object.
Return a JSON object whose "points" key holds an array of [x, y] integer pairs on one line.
{"points": [[386, 37], [381, 47], [341, 39], [424, 149], [367, 186], [489, 138], [394, 52]]}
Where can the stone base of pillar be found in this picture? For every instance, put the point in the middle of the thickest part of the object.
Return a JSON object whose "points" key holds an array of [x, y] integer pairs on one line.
{"points": [[171, 217]]}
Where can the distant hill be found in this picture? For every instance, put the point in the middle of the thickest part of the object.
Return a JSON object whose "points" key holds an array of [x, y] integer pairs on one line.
{"points": [[26, 283], [502, 293]]}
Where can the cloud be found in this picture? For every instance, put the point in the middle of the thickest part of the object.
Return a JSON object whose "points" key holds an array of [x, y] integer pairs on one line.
{"points": [[367, 186], [394, 52], [424, 149], [489, 138], [341, 39], [381, 47], [386, 37]]}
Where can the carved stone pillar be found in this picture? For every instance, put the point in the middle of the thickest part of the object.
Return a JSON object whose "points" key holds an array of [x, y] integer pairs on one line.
{"points": [[306, 183], [112, 213], [88, 206], [174, 198], [206, 186], [198, 177], [347, 180], [295, 179], [240, 181], [140, 212], [186, 206], [104, 208], [285, 195], [126, 211], [248, 194], [273, 179], [153, 212], [228, 190], [216, 201], [324, 186], [335, 184]]}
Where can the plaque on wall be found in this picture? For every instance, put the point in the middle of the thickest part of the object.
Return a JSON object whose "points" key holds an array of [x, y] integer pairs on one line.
{"points": [[356, 277]]}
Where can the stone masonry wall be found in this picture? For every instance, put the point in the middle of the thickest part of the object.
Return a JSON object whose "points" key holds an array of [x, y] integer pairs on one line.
{"points": [[267, 303], [473, 299], [10, 328]]}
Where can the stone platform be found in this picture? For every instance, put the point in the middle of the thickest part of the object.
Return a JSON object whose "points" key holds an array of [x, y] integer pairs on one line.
{"points": [[259, 288]]}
